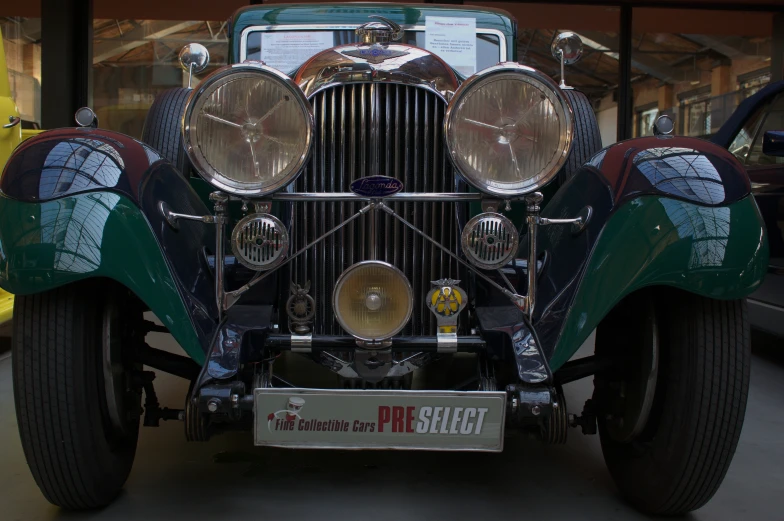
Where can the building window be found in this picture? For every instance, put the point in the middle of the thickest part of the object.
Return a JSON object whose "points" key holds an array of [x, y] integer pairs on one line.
{"points": [[646, 117], [749, 84], [695, 110]]}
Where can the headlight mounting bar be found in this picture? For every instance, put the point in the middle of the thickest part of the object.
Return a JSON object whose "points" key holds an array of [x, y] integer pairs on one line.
{"points": [[226, 299]]}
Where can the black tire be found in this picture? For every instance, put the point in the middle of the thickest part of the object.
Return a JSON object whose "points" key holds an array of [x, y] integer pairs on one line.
{"points": [[162, 127], [587, 138], [678, 460], [78, 458]]}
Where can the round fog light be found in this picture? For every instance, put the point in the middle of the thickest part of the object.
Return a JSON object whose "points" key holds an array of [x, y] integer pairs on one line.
{"points": [[373, 300]]}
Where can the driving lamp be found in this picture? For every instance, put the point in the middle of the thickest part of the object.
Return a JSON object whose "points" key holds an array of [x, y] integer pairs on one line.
{"points": [[372, 300], [248, 129], [508, 130]]}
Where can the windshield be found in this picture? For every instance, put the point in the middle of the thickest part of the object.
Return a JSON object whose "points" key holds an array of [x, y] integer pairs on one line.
{"points": [[287, 50]]}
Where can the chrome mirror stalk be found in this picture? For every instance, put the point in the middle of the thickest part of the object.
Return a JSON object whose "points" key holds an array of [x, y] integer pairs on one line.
{"points": [[194, 58], [567, 48]]}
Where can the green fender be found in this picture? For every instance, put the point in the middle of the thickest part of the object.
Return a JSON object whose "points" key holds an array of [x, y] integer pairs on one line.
{"points": [[98, 234], [716, 252]]}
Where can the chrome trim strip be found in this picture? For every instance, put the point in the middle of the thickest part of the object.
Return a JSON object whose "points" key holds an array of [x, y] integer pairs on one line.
{"points": [[350, 27], [407, 197]]}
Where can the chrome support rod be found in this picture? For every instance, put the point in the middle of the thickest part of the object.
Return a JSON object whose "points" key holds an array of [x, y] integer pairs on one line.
{"points": [[518, 300], [563, 79], [220, 200], [374, 230], [533, 210], [172, 217], [231, 297]]}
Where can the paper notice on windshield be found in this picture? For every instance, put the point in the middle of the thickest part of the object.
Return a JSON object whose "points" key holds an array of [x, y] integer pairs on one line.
{"points": [[453, 40], [288, 50]]}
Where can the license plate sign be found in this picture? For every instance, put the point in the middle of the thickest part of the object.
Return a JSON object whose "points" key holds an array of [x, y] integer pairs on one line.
{"points": [[369, 419]]}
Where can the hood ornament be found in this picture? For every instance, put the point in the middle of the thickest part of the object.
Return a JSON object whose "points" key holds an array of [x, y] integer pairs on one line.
{"points": [[379, 32], [375, 39]]}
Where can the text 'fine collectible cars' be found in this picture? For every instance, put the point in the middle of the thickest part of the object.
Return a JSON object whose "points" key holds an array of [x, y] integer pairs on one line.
{"points": [[377, 211]]}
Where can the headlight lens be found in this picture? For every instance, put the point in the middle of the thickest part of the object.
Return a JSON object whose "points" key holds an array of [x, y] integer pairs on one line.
{"points": [[248, 129], [508, 129], [372, 300]]}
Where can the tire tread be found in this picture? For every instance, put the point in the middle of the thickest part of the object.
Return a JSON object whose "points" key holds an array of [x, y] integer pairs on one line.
{"points": [[162, 127], [55, 377]]}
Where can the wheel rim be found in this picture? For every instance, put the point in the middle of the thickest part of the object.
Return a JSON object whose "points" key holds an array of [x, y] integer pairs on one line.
{"points": [[632, 400], [115, 377]]}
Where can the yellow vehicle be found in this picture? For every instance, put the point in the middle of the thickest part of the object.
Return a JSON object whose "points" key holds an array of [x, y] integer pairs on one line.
{"points": [[11, 134]]}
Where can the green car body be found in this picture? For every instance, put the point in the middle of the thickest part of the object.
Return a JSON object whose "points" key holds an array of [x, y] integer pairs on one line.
{"points": [[33, 244], [350, 230]]}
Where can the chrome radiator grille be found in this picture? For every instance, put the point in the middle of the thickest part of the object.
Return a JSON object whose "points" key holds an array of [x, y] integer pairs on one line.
{"points": [[376, 129]]}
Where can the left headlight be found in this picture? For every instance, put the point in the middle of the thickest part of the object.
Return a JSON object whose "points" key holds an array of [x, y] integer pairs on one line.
{"points": [[248, 129], [508, 129]]}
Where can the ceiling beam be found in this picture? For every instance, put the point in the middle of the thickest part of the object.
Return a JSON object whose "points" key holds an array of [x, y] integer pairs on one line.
{"points": [[141, 35], [647, 64], [733, 47]]}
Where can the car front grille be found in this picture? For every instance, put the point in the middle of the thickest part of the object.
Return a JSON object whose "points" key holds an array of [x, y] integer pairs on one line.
{"points": [[376, 129]]}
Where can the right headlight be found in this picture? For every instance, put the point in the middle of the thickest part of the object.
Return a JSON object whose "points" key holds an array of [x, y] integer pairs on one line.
{"points": [[508, 129], [248, 129]]}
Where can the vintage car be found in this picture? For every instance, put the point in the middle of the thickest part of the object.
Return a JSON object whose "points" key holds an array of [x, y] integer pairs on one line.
{"points": [[11, 134], [754, 135], [380, 191]]}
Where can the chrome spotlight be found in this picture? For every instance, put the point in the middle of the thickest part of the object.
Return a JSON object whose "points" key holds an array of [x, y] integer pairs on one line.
{"points": [[373, 301], [490, 241], [260, 241]]}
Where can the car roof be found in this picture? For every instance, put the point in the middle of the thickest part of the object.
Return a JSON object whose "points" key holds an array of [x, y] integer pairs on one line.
{"points": [[745, 110], [355, 13]]}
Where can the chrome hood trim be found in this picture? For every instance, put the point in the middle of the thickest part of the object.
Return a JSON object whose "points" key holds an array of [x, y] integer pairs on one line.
{"points": [[385, 63]]}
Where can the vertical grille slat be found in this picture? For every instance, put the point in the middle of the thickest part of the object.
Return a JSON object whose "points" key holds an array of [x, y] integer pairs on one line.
{"points": [[375, 129]]}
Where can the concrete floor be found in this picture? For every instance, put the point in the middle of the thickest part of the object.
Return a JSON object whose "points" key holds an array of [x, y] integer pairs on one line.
{"points": [[228, 478]]}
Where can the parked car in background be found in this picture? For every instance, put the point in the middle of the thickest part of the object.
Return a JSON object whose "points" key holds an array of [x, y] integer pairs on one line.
{"points": [[11, 134], [380, 190], [744, 135]]}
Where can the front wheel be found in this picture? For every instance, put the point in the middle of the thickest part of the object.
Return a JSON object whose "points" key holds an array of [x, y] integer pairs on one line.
{"points": [[77, 407], [671, 411]]}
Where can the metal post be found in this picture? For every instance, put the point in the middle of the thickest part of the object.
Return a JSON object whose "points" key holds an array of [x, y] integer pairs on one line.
{"points": [[625, 93], [532, 209], [777, 48], [66, 60], [563, 79], [220, 200]]}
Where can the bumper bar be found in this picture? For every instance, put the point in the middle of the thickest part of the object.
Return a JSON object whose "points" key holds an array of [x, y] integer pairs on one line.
{"points": [[415, 343]]}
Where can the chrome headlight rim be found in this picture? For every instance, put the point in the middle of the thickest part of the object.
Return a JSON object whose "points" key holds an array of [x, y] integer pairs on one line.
{"points": [[339, 285], [199, 161], [536, 182]]}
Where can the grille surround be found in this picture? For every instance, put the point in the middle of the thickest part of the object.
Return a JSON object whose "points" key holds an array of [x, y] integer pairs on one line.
{"points": [[379, 128]]}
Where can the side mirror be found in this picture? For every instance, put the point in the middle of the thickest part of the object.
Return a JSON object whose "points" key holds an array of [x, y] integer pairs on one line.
{"points": [[194, 58], [568, 49], [773, 143], [663, 126], [85, 117]]}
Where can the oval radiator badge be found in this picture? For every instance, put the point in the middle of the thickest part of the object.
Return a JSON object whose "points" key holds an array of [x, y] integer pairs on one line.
{"points": [[376, 186]]}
